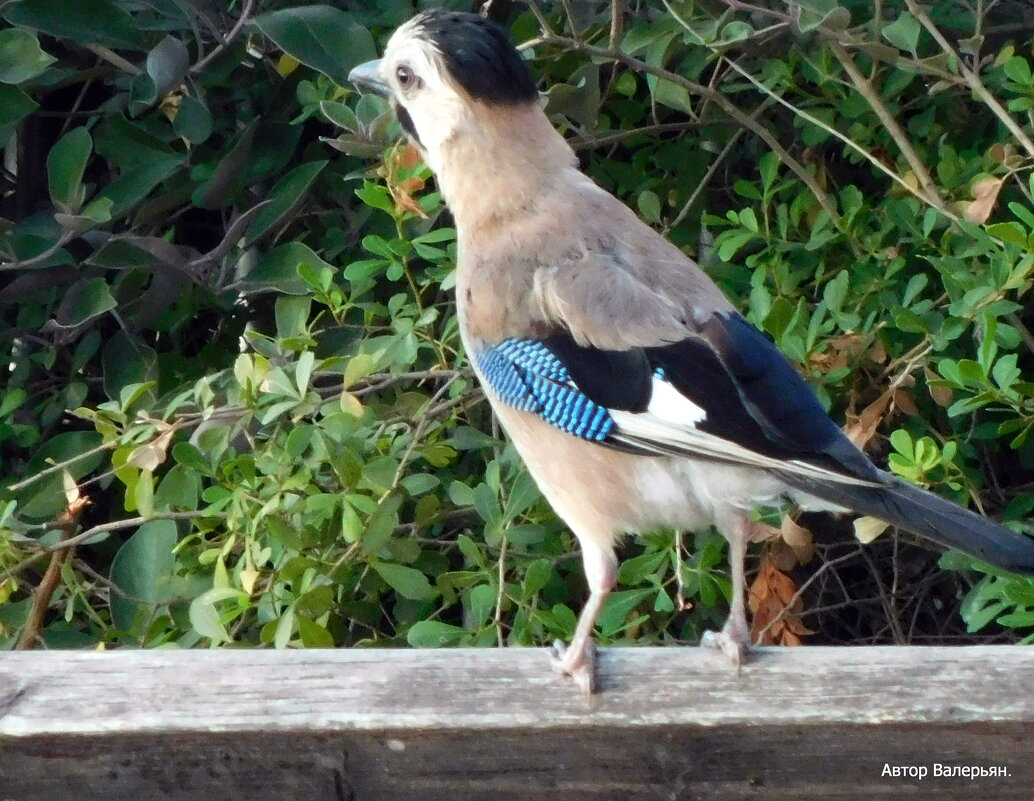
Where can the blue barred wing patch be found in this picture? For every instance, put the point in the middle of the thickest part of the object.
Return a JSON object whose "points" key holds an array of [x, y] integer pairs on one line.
{"points": [[526, 375]]}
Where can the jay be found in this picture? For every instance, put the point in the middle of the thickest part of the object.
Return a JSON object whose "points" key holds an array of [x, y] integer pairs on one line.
{"points": [[634, 391]]}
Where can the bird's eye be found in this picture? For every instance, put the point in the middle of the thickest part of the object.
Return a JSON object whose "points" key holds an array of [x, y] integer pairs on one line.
{"points": [[406, 77]]}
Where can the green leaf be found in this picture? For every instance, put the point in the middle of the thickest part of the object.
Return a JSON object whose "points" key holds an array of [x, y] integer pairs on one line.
{"points": [[143, 570], [180, 489], [186, 454], [434, 634], [284, 197], [735, 31], [836, 291], [21, 57], [193, 121], [14, 106], [291, 316], [278, 269], [83, 301], [1018, 69], [650, 206], [99, 22], [66, 164], [313, 635], [10, 400], [537, 576], [1008, 232], [406, 581], [165, 68], [815, 13], [143, 494], [619, 606], [126, 191], [903, 33], [339, 114], [321, 37], [166, 65], [205, 617], [482, 602]]}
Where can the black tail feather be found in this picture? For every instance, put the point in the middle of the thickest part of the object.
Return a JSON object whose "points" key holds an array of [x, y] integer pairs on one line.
{"points": [[931, 517]]}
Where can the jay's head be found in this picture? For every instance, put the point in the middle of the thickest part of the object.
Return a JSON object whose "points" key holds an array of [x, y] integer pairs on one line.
{"points": [[446, 74]]}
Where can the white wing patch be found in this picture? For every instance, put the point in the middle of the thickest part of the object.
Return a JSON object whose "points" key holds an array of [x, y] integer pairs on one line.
{"points": [[670, 405], [663, 437]]}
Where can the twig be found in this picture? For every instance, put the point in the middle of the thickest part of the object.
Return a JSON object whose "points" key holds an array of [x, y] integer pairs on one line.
{"points": [[114, 58], [421, 425], [845, 139], [497, 617], [129, 522], [617, 22], [703, 184], [52, 577], [738, 5], [540, 17], [613, 137], [1028, 338], [229, 39], [800, 590], [971, 78], [25, 264], [897, 133], [714, 96], [107, 446]]}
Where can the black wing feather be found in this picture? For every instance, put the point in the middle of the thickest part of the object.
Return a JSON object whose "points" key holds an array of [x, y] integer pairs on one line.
{"points": [[751, 394], [766, 402]]}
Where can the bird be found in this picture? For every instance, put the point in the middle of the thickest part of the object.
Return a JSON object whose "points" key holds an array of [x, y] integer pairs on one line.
{"points": [[635, 392]]}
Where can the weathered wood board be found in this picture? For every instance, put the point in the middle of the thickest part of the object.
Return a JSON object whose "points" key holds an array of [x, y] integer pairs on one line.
{"points": [[380, 725]]}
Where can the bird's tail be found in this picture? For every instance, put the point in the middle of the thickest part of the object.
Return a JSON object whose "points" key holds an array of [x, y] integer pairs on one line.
{"points": [[931, 517]]}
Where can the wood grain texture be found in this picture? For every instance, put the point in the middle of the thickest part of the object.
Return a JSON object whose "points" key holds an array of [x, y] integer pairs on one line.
{"points": [[669, 723]]}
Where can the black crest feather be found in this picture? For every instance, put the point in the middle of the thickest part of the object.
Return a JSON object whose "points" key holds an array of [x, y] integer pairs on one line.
{"points": [[480, 57]]}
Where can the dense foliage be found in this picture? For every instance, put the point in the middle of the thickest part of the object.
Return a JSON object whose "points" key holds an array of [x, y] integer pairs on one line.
{"points": [[235, 408]]}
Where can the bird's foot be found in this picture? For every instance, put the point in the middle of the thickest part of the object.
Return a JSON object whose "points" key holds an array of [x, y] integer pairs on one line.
{"points": [[734, 650], [577, 663], [731, 641]]}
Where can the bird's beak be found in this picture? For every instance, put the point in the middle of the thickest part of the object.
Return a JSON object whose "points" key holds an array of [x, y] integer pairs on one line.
{"points": [[367, 79]]}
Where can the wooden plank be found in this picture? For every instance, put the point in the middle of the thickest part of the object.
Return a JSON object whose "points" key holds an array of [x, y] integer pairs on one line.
{"points": [[365, 725]]}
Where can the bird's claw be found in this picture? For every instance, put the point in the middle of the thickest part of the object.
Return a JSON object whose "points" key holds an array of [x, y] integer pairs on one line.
{"points": [[579, 664], [733, 646]]}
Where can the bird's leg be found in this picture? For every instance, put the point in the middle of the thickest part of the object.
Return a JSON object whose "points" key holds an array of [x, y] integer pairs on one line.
{"points": [[578, 660], [734, 638]]}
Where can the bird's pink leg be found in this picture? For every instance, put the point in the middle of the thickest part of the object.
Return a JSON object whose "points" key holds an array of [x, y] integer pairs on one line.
{"points": [[734, 638], [578, 660]]}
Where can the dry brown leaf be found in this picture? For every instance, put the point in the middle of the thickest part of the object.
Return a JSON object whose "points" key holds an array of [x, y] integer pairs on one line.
{"points": [[905, 401], [1005, 154], [985, 195], [942, 396], [152, 454], [799, 539], [401, 193], [760, 531], [776, 612], [861, 428], [408, 157], [782, 555], [839, 352], [404, 157], [878, 352]]}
